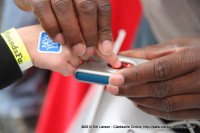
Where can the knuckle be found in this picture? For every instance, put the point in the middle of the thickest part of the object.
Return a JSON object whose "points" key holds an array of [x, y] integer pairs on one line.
{"points": [[61, 5], [104, 9], [133, 74], [40, 7], [159, 89], [167, 105], [105, 30], [87, 7], [105, 33], [188, 57], [162, 69]]}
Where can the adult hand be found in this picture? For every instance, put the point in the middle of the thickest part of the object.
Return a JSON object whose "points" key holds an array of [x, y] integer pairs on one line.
{"points": [[168, 85], [82, 24]]}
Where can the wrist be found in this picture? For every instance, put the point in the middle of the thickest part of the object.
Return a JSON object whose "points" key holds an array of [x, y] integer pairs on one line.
{"points": [[17, 48]]}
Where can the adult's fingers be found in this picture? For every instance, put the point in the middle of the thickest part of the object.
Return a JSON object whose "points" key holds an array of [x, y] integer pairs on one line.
{"points": [[87, 16], [161, 89], [159, 50], [112, 59], [42, 9], [159, 69], [170, 104], [150, 52], [105, 42], [176, 115], [66, 16]]}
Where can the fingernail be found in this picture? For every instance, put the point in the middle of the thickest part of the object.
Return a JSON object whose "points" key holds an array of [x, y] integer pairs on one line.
{"points": [[59, 38], [117, 64], [79, 49], [90, 51], [113, 89], [116, 79], [106, 47]]}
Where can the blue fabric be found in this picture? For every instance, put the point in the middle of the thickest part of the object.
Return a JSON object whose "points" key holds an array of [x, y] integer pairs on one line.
{"points": [[145, 35], [14, 17]]}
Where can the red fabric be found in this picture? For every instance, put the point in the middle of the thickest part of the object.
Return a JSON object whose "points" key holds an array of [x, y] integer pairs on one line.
{"points": [[65, 94]]}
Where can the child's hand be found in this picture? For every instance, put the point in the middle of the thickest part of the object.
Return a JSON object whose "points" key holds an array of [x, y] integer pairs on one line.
{"points": [[63, 62]]}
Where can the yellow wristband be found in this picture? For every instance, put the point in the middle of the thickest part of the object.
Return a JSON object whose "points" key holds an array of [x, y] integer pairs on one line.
{"points": [[17, 48]]}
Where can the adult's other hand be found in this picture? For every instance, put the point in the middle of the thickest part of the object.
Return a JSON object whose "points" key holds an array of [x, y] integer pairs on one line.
{"points": [[168, 85], [83, 25]]}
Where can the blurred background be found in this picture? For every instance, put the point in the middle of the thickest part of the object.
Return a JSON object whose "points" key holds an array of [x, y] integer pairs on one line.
{"points": [[45, 102], [21, 102]]}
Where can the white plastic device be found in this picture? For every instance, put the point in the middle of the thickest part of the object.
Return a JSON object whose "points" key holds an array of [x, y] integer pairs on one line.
{"points": [[98, 71]]}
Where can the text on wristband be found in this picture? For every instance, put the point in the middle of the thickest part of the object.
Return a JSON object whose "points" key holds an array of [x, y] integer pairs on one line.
{"points": [[14, 48]]}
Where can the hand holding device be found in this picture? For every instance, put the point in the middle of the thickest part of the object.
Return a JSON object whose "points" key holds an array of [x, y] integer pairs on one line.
{"points": [[98, 71]]}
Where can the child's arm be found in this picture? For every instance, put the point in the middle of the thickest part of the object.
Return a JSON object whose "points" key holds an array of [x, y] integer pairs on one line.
{"points": [[14, 59]]}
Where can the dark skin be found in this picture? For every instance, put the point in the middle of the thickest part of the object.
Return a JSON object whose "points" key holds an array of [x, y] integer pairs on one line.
{"points": [[84, 25], [168, 85]]}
